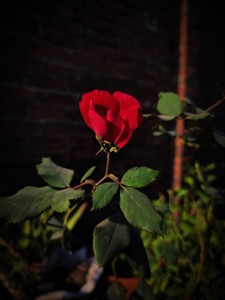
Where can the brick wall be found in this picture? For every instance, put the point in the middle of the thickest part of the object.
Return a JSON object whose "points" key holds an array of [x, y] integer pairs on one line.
{"points": [[53, 51]]}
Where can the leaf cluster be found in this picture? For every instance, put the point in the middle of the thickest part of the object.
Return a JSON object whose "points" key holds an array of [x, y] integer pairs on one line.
{"points": [[113, 235], [188, 263]]}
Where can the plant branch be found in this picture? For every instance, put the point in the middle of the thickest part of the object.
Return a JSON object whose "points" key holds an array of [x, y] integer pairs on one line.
{"points": [[107, 164], [84, 183], [214, 105], [106, 170]]}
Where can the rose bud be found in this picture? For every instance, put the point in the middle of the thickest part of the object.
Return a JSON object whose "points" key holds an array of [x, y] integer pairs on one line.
{"points": [[113, 118]]}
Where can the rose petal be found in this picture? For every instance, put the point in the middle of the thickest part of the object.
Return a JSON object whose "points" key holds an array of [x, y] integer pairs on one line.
{"points": [[105, 99], [130, 109], [124, 136], [84, 105], [98, 123], [114, 130]]}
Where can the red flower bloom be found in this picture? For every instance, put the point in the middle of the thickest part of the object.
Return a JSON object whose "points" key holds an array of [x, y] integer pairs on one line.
{"points": [[113, 118]]}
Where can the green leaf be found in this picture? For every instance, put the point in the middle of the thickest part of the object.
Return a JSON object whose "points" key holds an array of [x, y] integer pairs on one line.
{"points": [[77, 214], [26, 203], [53, 174], [88, 173], [139, 177], [57, 235], [60, 201], [169, 104], [199, 116], [111, 236], [139, 210], [103, 194]]}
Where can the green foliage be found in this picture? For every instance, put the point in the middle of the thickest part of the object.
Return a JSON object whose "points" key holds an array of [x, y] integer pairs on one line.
{"points": [[139, 211], [77, 212], [188, 263], [103, 194], [169, 106], [61, 199], [31, 201], [88, 173], [111, 236], [26, 203], [139, 177], [54, 175], [199, 116], [20, 244]]}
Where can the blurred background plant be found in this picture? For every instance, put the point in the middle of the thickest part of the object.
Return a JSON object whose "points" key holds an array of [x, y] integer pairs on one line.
{"points": [[22, 248], [188, 262]]}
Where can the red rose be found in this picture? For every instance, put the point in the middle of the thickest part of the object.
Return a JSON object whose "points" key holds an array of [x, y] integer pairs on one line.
{"points": [[113, 118]]}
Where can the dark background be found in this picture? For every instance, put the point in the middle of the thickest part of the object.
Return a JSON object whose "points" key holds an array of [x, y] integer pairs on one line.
{"points": [[53, 51]]}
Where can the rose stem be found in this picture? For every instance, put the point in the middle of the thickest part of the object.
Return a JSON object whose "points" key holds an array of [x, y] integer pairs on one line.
{"points": [[107, 164]]}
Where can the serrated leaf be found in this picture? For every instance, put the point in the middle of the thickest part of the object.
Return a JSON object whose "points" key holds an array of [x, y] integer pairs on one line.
{"points": [[139, 210], [111, 236], [88, 173], [169, 104], [61, 199], [53, 174], [103, 194], [26, 203], [139, 177]]}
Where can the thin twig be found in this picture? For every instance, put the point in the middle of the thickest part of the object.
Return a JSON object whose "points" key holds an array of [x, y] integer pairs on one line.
{"points": [[214, 105]]}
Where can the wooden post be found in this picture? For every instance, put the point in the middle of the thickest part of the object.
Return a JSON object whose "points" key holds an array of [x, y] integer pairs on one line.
{"points": [[181, 91]]}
